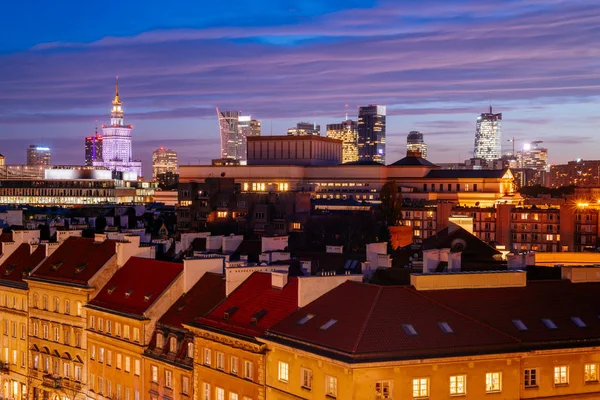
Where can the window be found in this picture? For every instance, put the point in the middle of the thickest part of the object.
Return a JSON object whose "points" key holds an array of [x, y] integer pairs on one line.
{"points": [[190, 350], [127, 364], [108, 357], [248, 369], [578, 322], [561, 375], [136, 334], [305, 319], [56, 334], [519, 324], [168, 378], [109, 327], [233, 365], [79, 309], [445, 327], [409, 329], [185, 385], [56, 304], [100, 324], [101, 354], [207, 356], [549, 323], [67, 307], [100, 385], [458, 384], [92, 322], [93, 352], [591, 373], [119, 359], [154, 374], [220, 361], [330, 386], [23, 333], [220, 394], [306, 378], [284, 369], [67, 337], [35, 329], [118, 329], [67, 370], [159, 340], [421, 387], [172, 344], [328, 324], [493, 382], [383, 390], [205, 391], [233, 396], [530, 378], [78, 373], [36, 361], [136, 367], [45, 302]]}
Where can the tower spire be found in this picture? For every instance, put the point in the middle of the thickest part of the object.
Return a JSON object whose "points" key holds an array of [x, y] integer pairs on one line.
{"points": [[117, 99]]}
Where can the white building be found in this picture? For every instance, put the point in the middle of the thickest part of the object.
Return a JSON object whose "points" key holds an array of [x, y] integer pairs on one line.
{"points": [[116, 147], [234, 129], [488, 136]]}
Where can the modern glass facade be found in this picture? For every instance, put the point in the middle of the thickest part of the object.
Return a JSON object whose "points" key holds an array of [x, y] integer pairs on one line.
{"points": [[416, 143], [347, 132], [371, 133], [488, 136]]}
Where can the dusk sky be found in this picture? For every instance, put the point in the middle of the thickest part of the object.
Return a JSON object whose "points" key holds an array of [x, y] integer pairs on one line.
{"points": [[435, 64]]}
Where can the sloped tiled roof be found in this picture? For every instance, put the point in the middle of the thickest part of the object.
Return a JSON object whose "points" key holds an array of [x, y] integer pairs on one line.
{"points": [[137, 285], [76, 261], [21, 261], [254, 297]]}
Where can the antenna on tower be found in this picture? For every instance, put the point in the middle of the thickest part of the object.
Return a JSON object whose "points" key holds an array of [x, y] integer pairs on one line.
{"points": [[96, 129], [315, 120], [490, 95], [346, 112]]}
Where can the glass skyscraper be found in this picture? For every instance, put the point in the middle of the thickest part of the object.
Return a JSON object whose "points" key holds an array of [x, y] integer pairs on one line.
{"points": [[371, 133], [347, 132], [488, 136], [415, 143], [234, 129]]}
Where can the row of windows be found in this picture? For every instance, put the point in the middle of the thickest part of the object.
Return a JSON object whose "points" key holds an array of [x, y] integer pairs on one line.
{"points": [[219, 393], [106, 388], [12, 302], [56, 301], [106, 357], [49, 366], [14, 360], [10, 327], [123, 333], [168, 383], [234, 363], [56, 337]]}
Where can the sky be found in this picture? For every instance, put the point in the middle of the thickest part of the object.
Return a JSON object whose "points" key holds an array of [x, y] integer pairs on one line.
{"points": [[435, 64]]}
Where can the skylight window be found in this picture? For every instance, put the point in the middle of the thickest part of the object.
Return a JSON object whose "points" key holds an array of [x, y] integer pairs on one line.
{"points": [[328, 324], [579, 322], [520, 325], [305, 319], [147, 297], [409, 329], [445, 327], [549, 323], [128, 293]]}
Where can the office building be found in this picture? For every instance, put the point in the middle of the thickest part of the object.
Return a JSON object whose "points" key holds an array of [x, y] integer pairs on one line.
{"points": [[163, 161], [235, 128], [116, 142], [578, 173], [39, 156], [93, 149], [533, 157], [294, 150], [305, 128], [347, 132], [416, 144], [488, 136], [371, 133]]}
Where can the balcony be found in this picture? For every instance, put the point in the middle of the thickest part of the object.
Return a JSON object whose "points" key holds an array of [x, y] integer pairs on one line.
{"points": [[52, 381], [4, 368]]}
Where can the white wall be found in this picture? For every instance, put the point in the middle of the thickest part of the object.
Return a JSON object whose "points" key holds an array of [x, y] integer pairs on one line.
{"points": [[195, 268], [311, 288]]}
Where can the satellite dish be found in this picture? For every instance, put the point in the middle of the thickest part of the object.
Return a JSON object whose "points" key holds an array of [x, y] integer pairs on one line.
{"points": [[416, 255], [458, 245]]}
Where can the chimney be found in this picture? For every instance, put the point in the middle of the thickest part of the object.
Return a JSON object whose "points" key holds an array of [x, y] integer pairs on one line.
{"points": [[99, 237], [279, 279], [195, 268], [131, 248], [311, 288]]}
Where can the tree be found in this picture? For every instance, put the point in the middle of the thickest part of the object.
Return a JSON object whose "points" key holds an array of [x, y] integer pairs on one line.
{"points": [[391, 203]]}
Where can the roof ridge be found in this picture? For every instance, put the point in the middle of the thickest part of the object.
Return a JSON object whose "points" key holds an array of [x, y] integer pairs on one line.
{"points": [[364, 327], [464, 315]]}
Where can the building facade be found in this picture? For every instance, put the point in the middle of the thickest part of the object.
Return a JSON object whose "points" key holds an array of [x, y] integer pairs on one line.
{"points": [[305, 128], [294, 150], [577, 173], [371, 133], [488, 138], [39, 156], [117, 142], [234, 129], [347, 132], [93, 149], [416, 144], [163, 161]]}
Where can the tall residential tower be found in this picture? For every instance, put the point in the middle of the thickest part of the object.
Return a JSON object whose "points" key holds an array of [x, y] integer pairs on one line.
{"points": [[371, 133], [488, 136]]}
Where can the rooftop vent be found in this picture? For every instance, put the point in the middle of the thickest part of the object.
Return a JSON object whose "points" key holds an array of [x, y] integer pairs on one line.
{"points": [[257, 317], [128, 293], [80, 268], [229, 312], [56, 265], [147, 297], [111, 289], [9, 270]]}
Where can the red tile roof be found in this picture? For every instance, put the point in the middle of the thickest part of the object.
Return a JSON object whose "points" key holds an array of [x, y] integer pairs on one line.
{"points": [[254, 298], [137, 285], [21, 261], [201, 298], [76, 261]]}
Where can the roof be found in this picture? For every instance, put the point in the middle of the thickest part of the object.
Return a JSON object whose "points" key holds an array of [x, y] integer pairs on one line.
{"points": [[413, 161], [137, 285], [250, 248], [22, 260], [253, 298], [466, 173], [76, 261], [198, 244], [200, 299], [376, 321], [460, 239], [364, 162], [339, 262]]}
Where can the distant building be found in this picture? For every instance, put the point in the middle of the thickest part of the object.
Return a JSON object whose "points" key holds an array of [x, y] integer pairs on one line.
{"points": [[1, 160], [234, 129], [347, 132], [305, 128], [294, 150], [534, 157], [163, 161], [39, 156], [371, 133], [578, 173], [93, 149], [167, 180], [415, 143], [488, 136]]}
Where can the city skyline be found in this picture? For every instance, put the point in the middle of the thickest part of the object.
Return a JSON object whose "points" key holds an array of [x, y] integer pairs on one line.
{"points": [[288, 69]]}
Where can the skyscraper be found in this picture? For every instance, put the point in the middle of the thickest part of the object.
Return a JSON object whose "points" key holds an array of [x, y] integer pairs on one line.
{"points": [[163, 161], [305, 128], [93, 148], [234, 129], [116, 142], [415, 143], [533, 157], [347, 132], [371, 133], [488, 136], [39, 155]]}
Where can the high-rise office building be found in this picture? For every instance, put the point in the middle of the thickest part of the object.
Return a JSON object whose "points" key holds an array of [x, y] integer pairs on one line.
{"points": [[116, 142], [488, 136], [39, 155], [533, 157], [93, 148], [347, 132], [371, 133], [305, 128], [416, 144], [163, 161], [234, 129]]}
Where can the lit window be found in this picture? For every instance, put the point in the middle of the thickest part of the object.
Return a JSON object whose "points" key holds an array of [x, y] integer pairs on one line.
{"points": [[305, 319], [168, 378], [154, 374], [561, 375], [185, 385], [233, 396], [172, 344], [579, 322], [493, 382], [283, 371], [591, 373], [409, 329], [519, 324], [330, 386], [445, 327], [127, 364], [306, 378], [421, 387], [549, 323], [220, 361], [458, 384], [137, 367], [248, 369], [220, 394], [233, 365], [207, 357], [159, 340], [221, 214], [190, 350], [530, 377], [383, 390]]}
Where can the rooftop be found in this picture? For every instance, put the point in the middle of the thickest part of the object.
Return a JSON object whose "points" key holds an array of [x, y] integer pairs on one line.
{"points": [[467, 173], [21, 261], [413, 161]]}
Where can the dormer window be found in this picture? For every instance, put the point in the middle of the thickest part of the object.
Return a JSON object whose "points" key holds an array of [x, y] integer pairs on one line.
{"points": [[172, 344], [190, 350], [159, 340], [328, 324], [409, 329]]}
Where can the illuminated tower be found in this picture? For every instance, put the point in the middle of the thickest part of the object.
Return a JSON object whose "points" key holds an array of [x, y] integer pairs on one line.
{"points": [[371, 133], [234, 129], [305, 128], [38, 155], [163, 161], [93, 148], [116, 142], [347, 132], [488, 136], [415, 143]]}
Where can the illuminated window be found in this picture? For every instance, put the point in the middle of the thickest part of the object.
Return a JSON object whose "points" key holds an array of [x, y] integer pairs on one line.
{"points": [[159, 340], [207, 357], [233, 365], [331, 386], [248, 369], [220, 361], [296, 225], [561, 375], [283, 371], [221, 214], [154, 374], [168, 378], [421, 387], [458, 384], [306, 378], [591, 373], [172, 344], [493, 382]]}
